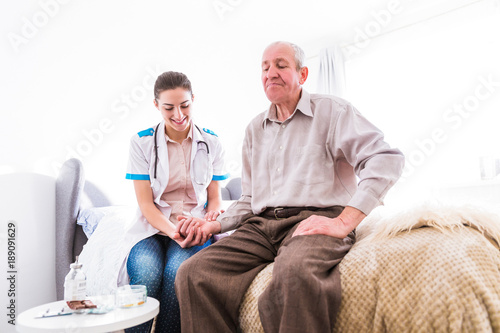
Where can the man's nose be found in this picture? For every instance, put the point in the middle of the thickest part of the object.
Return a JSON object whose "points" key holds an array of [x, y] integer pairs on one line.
{"points": [[272, 72]]}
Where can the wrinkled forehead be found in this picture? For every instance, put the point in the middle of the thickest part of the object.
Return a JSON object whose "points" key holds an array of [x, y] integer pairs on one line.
{"points": [[277, 52]]}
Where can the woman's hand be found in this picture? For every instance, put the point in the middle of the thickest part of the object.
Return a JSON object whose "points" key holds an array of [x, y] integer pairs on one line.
{"points": [[212, 215], [193, 237], [196, 230]]}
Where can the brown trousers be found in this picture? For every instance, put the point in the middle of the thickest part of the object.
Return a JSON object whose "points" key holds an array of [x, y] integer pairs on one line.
{"points": [[303, 295]]}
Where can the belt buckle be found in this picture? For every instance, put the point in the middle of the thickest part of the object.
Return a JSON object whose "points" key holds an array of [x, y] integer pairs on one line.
{"points": [[276, 211]]}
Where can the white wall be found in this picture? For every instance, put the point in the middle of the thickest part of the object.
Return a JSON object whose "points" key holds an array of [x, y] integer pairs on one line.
{"points": [[27, 244], [77, 75], [434, 89]]}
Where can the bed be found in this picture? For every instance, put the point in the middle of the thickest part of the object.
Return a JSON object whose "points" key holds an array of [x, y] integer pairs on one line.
{"points": [[432, 268]]}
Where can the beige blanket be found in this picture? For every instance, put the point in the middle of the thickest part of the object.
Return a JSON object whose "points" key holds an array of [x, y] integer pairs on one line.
{"points": [[431, 269]]}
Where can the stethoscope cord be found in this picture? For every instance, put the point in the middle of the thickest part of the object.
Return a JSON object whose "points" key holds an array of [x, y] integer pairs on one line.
{"points": [[156, 149], [156, 145]]}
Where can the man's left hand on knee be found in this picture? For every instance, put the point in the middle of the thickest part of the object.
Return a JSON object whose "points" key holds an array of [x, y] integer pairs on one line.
{"points": [[338, 227]]}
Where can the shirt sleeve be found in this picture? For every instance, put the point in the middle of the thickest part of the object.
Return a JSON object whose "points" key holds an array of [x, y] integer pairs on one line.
{"points": [[242, 208], [219, 165], [377, 165], [138, 163]]}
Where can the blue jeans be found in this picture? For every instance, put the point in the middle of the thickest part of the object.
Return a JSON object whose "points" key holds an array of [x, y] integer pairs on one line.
{"points": [[154, 262]]}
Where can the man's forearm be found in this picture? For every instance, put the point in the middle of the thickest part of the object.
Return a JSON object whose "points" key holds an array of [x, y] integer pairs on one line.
{"points": [[235, 214]]}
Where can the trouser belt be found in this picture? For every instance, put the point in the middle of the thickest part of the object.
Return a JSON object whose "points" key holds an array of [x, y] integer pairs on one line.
{"points": [[285, 212]]}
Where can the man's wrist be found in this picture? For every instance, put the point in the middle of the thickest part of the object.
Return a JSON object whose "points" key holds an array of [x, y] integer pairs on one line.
{"points": [[351, 217], [216, 227]]}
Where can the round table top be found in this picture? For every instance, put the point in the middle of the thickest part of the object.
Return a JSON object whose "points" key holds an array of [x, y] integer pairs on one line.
{"points": [[117, 319]]}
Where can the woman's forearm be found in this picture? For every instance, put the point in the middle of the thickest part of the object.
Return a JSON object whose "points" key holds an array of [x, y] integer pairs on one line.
{"points": [[156, 218], [148, 208], [214, 204], [214, 200]]}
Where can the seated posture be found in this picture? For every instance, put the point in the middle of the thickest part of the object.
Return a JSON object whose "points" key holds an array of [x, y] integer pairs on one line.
{"points": [[175, 167], [300, 204]]}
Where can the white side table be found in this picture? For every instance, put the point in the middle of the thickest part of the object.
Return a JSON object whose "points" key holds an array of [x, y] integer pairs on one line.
{"points": [[115, 320]]}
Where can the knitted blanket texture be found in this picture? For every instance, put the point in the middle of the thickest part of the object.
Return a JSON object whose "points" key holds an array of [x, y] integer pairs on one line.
{"points": [[433, 268]]}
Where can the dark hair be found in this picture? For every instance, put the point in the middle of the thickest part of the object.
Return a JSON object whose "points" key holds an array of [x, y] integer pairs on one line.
{"points": [[171, 80]]}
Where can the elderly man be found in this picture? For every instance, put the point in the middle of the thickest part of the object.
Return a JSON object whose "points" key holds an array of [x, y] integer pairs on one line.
{"points": [[300, 205]]}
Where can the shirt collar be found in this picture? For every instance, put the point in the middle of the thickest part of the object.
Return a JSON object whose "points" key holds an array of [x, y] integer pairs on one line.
{"points": [[189, 136], [196, 133], [303, 106]]}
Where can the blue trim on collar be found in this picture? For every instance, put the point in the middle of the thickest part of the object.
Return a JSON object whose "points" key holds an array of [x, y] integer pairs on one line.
{"points": [[134, 176]]}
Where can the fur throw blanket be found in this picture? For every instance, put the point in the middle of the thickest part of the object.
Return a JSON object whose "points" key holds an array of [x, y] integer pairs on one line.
{"points": [[381, 224]]}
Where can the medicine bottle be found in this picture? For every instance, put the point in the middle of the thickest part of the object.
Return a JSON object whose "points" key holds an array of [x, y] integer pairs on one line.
{"points": [[75, 283]]}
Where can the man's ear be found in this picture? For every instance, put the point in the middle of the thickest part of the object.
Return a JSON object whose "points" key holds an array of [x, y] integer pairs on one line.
{"points": [[303, 72]]}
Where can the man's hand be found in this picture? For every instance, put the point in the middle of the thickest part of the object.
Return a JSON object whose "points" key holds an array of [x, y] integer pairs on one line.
{"points": [[338, 227], [201, 229], [192, 238]]}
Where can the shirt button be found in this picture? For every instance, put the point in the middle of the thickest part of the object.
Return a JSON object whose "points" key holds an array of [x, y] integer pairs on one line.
{"points": [[274, 193], [278, 169], [281, 147], [283, 126]]}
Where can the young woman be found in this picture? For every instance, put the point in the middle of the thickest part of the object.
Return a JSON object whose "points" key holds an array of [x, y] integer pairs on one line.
{"points": [[175, 167]]}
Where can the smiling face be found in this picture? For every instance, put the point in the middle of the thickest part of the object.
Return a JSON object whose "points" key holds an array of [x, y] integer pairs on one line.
{"points": [[175, 107], [280, 77]]}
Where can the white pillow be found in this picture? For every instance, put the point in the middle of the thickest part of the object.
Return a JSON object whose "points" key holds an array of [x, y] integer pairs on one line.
{"points": [[89, 218]]}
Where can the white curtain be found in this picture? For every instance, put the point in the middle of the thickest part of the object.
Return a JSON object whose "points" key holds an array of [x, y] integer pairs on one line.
{"points": [[331, 78]]}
